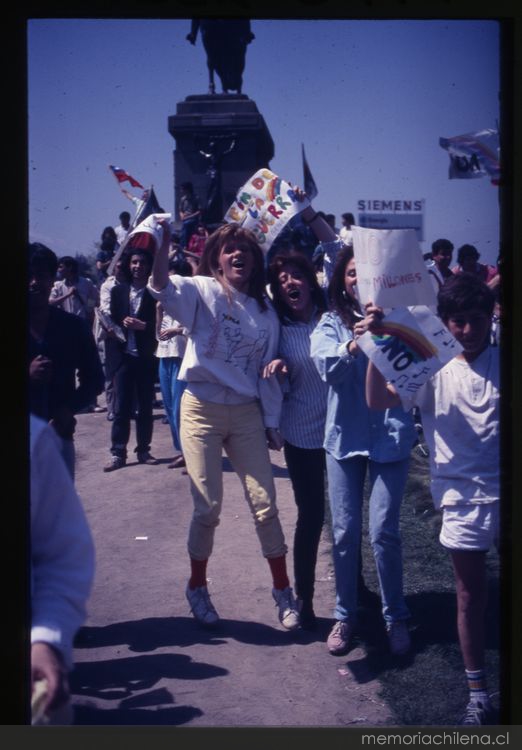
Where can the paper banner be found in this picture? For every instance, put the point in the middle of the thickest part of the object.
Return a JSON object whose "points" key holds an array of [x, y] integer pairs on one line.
{"points": [[149, 225], [264, 205], [390, 268], [409, 347]]}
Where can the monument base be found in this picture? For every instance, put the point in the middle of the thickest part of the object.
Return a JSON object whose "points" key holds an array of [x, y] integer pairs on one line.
{"points": [[227, 119]]}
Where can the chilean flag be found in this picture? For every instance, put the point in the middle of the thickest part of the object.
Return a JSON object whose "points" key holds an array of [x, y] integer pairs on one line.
{"points": [[123, 176]]}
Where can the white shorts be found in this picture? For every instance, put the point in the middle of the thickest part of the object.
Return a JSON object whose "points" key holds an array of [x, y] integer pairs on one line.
{"points": [[470, 527]]}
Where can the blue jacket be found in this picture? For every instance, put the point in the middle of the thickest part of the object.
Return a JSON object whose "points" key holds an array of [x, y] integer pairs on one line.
{"points": [[352, 429]]}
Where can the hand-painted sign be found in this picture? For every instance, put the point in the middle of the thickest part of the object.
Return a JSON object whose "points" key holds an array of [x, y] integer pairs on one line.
{"points": [[409, 347], [264, 205], [390, 268]]}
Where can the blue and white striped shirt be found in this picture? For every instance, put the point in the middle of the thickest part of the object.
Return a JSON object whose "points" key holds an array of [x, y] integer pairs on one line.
{"points": [[304, 402]]}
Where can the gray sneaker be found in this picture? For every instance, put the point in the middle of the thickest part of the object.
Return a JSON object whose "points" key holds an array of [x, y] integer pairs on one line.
{"points": [[201, 605], [338, 641], [399, 637], [286, 604], [116, 462]]}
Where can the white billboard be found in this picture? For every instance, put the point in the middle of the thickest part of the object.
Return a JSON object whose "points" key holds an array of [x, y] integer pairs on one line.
{"points": [[392, 214]]}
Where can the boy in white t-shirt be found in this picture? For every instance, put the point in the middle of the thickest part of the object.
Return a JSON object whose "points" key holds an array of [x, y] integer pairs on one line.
{"points": [[460, 416]]}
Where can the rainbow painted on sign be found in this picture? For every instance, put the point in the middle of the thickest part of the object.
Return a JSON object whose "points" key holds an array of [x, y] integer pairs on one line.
{"points": [[392, 336], [273, 189]]}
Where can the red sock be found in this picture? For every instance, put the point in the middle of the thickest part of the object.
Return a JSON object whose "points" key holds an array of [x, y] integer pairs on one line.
{"points": [[198, 577], [278, 570]]}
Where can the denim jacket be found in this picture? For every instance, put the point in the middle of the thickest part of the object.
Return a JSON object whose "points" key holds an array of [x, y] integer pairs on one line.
{"points": [[352, 429]]}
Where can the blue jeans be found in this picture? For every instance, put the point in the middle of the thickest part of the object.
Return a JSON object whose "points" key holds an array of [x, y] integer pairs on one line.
{"points": [[171, 392], [345, 491]]}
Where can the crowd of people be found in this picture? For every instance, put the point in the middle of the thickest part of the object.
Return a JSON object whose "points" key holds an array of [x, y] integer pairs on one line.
{"points": [[252, 354]]}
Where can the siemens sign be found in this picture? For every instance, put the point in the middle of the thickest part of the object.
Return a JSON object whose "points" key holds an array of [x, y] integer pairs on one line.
{"points": [[392, 214]]}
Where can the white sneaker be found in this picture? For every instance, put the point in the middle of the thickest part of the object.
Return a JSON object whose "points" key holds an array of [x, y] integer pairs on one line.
{"points": [[201, 605], [478, 712], [286, 604], [338, 641]]}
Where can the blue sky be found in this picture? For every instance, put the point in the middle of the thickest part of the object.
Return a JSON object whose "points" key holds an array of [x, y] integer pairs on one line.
{"points": [[369, 100]]}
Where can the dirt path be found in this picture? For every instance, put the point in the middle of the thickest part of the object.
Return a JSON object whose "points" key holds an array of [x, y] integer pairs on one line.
{"points": [[142, 659]]}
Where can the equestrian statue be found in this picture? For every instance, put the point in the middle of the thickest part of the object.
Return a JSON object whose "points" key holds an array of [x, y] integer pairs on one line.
{"points": [[225, 42]]}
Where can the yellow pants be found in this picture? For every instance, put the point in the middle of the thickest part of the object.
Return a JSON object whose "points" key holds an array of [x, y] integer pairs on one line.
{"points": [[207, 429]]}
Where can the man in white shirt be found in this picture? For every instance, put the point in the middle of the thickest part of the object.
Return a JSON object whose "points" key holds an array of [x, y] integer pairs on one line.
{"points": [[123, 227], [345, 232], [74, 293]]}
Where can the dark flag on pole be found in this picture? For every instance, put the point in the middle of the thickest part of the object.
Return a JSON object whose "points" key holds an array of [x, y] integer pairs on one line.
{"points": [[309, 185], [148, 205]]}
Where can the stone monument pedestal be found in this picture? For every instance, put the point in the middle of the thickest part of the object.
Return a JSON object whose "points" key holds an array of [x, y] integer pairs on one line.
{"points": [[225, 118]]}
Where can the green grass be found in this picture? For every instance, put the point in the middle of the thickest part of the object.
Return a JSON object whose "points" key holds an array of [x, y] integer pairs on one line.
{"points": [[427, 687]]}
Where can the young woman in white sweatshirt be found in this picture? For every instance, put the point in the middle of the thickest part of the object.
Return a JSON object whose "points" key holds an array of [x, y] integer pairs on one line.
{"points": [[233, 333]]}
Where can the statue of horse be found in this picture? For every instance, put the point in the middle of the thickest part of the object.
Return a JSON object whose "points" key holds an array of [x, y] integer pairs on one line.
{"points": [[225, 42]]}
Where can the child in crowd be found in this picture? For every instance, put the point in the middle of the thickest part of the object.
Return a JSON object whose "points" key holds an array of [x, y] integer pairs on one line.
{"points": [[460, 416]]}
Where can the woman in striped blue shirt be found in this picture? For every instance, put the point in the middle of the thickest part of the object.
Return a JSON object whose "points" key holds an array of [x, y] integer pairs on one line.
{"points": [[300, 302]]}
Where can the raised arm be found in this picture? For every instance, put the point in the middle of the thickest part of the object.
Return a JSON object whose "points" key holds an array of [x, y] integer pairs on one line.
{"points": [[322, 230], [131, 197], [160, 267]]}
